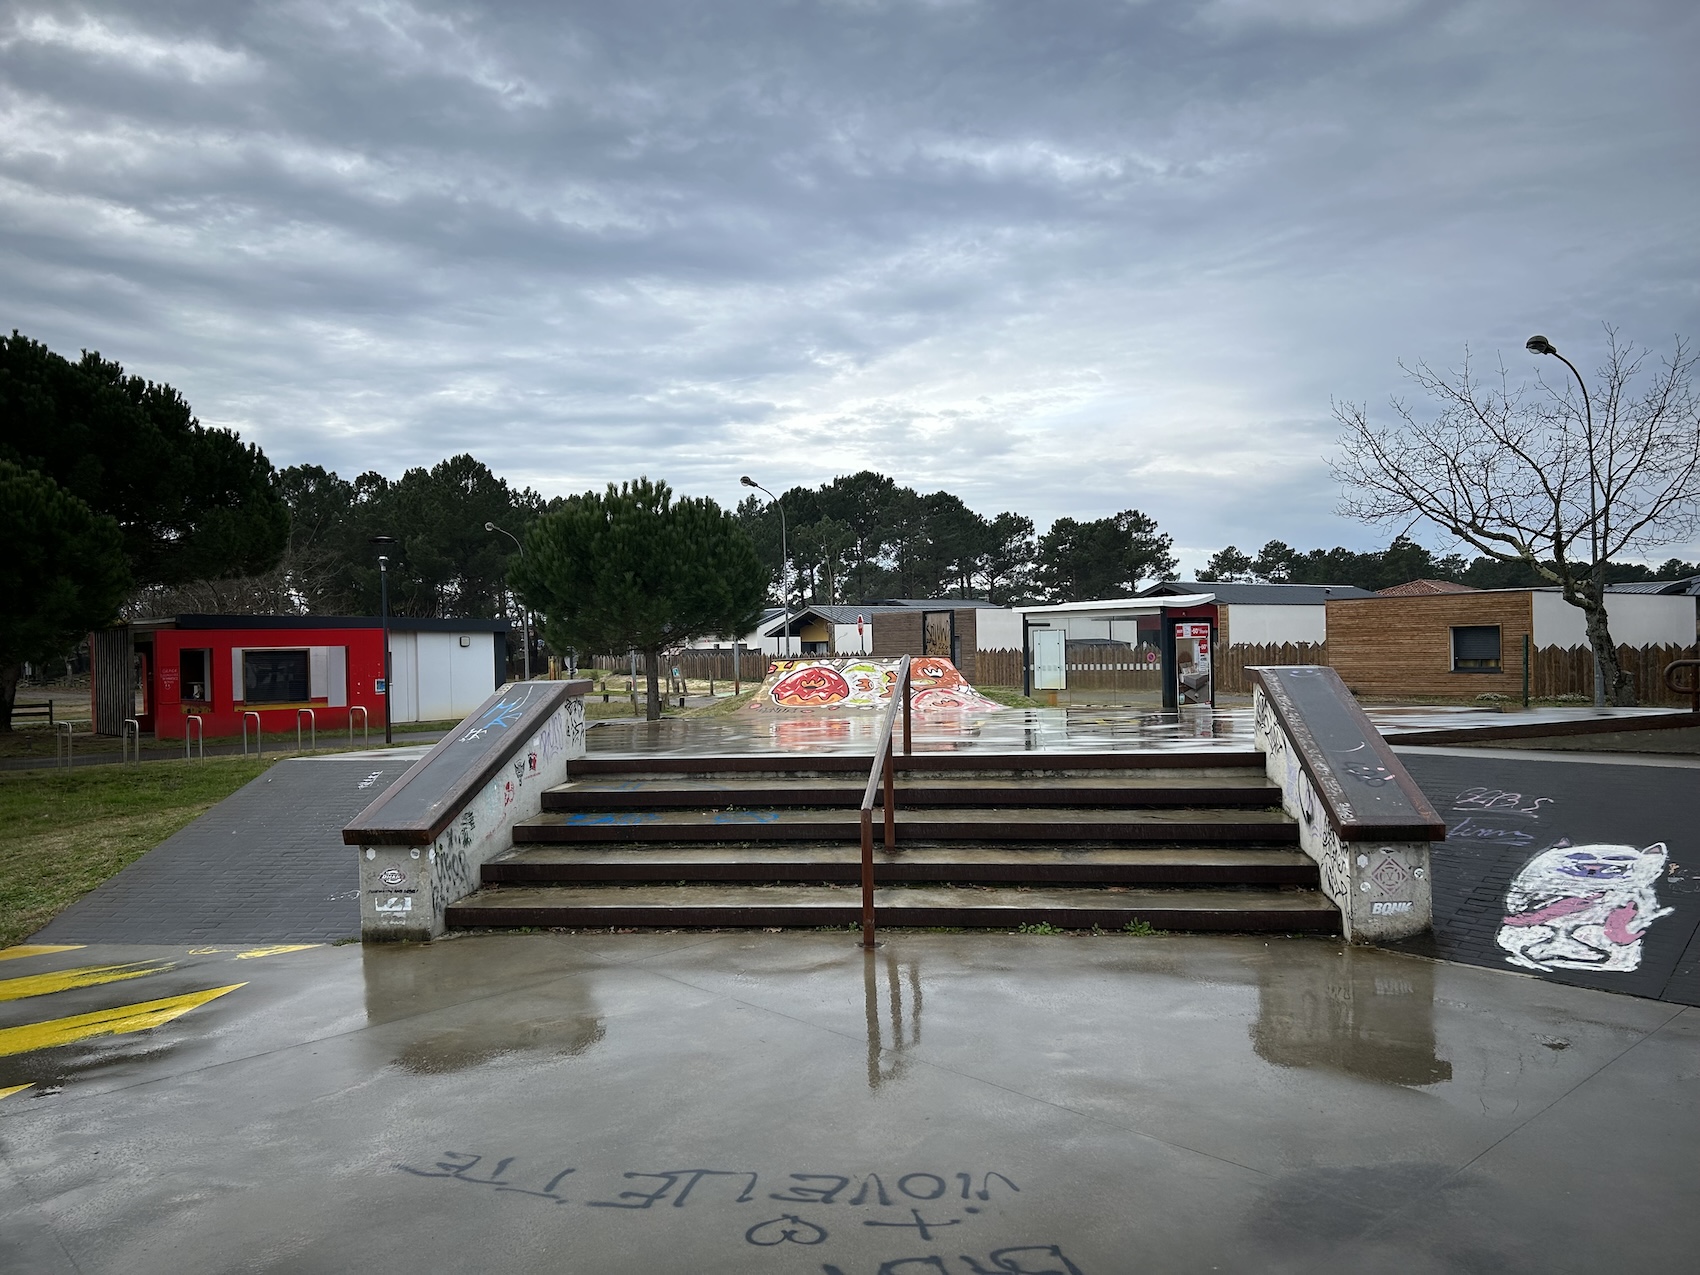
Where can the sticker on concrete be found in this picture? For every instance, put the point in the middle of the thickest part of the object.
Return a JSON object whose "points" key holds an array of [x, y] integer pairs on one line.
{"points": [[1583, 907]]}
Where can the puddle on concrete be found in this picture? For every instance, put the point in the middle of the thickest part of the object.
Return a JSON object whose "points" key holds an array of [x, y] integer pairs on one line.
{"points": [[1362, 1014]]}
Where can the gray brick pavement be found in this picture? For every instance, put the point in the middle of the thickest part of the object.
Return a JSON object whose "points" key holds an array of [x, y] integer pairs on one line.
{"points": [[265, 865]]}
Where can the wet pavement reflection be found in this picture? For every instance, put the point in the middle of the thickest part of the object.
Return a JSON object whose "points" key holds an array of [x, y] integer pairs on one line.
{"points": [[1014, 730], [557, 1020], [1360, 1014], [899, 981]]}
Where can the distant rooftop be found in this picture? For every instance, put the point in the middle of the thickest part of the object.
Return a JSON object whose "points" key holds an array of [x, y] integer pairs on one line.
{"points": [[1258, 594], [1690, 586], [1422, 588]]}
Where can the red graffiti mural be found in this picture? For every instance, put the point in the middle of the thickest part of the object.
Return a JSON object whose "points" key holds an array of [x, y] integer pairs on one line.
{"points": [[811, 687]]}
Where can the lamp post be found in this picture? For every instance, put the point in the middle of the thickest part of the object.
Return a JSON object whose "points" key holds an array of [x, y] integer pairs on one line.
{"points": [[784, 556], [524, 617], [384, 542], [1538, 344]]}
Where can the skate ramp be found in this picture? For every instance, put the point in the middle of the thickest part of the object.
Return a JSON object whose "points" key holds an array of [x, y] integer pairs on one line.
{"points": [[847, 683]]}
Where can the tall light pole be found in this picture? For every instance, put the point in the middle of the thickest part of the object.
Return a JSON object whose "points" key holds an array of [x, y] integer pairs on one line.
{"points": [[384, 542], [524, 617], [784, 556], [1538, 344]]}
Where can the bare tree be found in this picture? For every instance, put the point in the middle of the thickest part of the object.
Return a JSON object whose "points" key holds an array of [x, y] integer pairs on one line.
{"points": [[1538, 474]]}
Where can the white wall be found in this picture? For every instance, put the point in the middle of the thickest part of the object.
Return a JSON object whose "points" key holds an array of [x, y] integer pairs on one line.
{"points": [[1262, 625], [997, 629], [404, 676], [846, 641], [1637, 619]]}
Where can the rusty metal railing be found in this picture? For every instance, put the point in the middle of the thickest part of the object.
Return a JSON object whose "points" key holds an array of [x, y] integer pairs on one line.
{"points": [[1692, 690], [883, 772]]}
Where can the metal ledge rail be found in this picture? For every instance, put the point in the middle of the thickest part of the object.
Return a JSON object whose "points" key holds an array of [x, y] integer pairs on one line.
{"points": [[884, 771]]}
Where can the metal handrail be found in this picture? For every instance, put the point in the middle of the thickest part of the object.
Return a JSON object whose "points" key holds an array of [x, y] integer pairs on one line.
{"points": [[200, 735], [67, 737], [883, 772], [312, 723], [124, 741], [365, 724], [259, 735], [1693, 688]]}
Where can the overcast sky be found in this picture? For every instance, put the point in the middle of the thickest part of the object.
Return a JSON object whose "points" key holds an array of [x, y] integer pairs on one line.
{"points": [[1058, 256]]}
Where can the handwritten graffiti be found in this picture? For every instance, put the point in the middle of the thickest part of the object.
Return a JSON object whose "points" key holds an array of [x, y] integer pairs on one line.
{"points": [[1583, 907], [952, 1200], [1025, 1259], [1499, 801], [789, 1229], [612, 818], [1467, 829], [499, 716]]}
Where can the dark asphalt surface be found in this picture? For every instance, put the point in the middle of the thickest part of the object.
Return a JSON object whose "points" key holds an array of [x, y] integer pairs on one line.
{"points": [[267, 864]]}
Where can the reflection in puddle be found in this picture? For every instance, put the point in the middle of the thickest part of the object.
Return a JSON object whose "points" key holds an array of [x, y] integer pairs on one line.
{"points": [[883, 971], [1359, 1012], [403, 982]]}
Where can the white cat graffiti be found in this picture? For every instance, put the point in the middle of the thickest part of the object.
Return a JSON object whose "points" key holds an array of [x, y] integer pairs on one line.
{"points": [[1583, 907]]}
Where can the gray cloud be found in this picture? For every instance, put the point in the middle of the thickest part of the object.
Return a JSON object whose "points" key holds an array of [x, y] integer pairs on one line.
{"points": [[1060, 258]]}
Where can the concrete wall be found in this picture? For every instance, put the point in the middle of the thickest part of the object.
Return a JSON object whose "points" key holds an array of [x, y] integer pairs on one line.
{"points": [[1247, 624], [997, 629], [438, 679], [846, 641], [1637, 619], [405, 890]]}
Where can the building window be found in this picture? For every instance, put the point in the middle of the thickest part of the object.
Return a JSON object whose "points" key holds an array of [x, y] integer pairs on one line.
{"points": [[274, 677], [1475, 648], [195, 672]]}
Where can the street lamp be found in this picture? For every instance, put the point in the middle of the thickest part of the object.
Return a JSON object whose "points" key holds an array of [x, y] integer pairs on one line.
{"points": [[524, 617], [384, 542], [1538, 344], [784, 555]]}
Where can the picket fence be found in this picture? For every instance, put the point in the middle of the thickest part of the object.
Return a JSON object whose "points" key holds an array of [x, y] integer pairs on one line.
{"points": [[1556, 671]]}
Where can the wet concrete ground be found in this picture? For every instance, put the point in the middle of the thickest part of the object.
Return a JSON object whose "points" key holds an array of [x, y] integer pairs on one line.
{"points": [[688, 1103], [1107, 729]]}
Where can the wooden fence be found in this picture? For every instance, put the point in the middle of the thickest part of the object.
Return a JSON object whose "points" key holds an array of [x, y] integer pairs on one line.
{"points": [[1119, 668], [695, 664], [1557, 670], [1553, 671], [1233, 661]]}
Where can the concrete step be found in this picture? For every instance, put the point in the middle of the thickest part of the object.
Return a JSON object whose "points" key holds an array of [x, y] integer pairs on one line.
{"points": [[1222, 762], [1190, 824], [1282, 910], [1159, 864], [1173, 788]]}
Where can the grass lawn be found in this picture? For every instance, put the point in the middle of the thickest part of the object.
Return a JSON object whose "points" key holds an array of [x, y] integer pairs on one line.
{"points": [[1008, 696], [71, 830]]}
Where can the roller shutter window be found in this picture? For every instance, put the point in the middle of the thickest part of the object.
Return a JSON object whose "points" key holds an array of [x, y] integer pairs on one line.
{"points": [[1475, 648]]}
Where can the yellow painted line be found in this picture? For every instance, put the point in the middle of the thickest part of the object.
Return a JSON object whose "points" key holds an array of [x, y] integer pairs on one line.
{"points": [[7, 1093], [207, 951], [39, 949], [278, 950], [117, 1021], [15, 989]]}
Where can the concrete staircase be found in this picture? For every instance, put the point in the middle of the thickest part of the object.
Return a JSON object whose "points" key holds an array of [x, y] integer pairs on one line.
{"points": [[1186, 841]]}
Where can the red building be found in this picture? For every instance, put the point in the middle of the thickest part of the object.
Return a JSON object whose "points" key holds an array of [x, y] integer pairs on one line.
{"points": [[221, 667]]}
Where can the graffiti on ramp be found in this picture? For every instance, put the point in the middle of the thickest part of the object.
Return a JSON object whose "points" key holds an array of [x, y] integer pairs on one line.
{"points": [[840, 683]]}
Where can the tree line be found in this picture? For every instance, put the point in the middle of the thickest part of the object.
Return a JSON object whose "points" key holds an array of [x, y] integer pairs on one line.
{"points": [[1402, 561], [115, 501]]}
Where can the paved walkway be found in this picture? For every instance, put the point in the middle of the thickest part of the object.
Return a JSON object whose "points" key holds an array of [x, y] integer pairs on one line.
{"points": [[1505, 809], [780, 1104], [265, 865]]}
